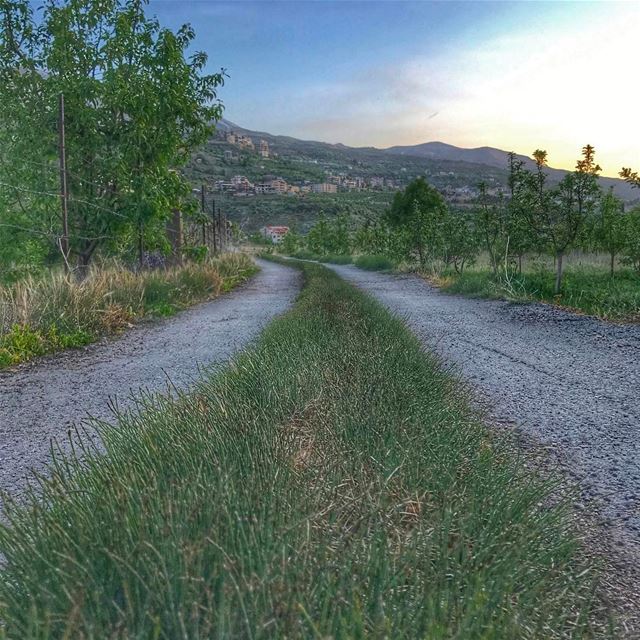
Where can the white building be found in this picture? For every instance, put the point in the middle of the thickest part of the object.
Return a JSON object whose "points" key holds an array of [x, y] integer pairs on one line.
{"points": [[275, 234]]}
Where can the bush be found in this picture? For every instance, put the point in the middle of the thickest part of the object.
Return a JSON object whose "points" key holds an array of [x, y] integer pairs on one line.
{"points": [[373, 263]]}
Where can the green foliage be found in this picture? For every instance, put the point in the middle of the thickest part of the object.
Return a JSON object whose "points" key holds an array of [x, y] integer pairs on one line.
{"points": [[589, 290], [631, 246], [610, 229], [419, 211], [291, 243], [331, 483], [373, 263], [459, 240], [23, 343], [136, 104], [329, 236], [557, 216]]}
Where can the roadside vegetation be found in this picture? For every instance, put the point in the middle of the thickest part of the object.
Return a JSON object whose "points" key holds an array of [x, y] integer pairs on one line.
{"points": [[587, 289], [40, 315], [515, 246], [96, 71], [332, 482]]}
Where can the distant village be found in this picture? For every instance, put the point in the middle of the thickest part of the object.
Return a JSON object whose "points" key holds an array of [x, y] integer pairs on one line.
{"points": [[241, 186]]}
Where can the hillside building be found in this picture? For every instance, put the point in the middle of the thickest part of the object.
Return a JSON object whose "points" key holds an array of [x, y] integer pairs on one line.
{"points": [[325, 187], [275, 234], [264, 148]]}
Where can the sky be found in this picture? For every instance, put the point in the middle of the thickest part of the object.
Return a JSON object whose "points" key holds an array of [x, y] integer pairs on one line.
{"points": [[513, 75]]}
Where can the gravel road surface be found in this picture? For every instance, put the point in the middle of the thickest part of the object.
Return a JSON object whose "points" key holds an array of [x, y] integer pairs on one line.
{"points": [[41, 401], [571, 382]]}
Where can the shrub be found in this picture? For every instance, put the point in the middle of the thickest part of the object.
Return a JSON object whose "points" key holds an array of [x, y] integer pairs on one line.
{"points": [[373, 263]]}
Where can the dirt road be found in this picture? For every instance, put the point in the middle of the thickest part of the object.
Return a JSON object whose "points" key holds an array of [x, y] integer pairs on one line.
{"points": [[571, 382], [43, 400]]}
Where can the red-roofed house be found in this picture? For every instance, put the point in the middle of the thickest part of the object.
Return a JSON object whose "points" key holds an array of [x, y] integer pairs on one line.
{"points": [[275, 234]]}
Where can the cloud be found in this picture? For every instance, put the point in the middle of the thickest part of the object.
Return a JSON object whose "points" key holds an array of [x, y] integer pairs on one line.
{"points": [[558, 90]]}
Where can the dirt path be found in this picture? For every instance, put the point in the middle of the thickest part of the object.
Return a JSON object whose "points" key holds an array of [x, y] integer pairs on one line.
{"points": [[43, 400], [570, 382]]}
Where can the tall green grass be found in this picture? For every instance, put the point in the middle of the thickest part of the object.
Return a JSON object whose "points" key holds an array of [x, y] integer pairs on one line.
{"points": [[589, 290], [53, 312], [373, 263], [331, 483]]}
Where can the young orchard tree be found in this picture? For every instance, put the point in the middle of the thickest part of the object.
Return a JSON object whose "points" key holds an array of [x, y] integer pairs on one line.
{"points": [[291, 243], [630, 177], [610, 227], [631, 248], [419, 211], [318, 235], [490, 225], [459, 240], [632, 223], [135, 108], [518, 239], [558, 215]]}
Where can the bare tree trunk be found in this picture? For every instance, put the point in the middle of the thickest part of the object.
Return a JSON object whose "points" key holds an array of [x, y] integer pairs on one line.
{"points": [[613, 263], [558, 287]]}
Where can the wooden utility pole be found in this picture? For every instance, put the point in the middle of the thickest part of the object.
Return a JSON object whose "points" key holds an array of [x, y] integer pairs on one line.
{"points": [[174, 233], [204, 224], [220, 230], [213, 226], [64, 193]]}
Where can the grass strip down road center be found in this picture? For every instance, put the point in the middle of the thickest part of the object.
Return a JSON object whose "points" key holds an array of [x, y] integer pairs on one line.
{"points": [[331, 482]]}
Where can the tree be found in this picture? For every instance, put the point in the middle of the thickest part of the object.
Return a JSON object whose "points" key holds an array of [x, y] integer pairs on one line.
{"points": [[136, 106], [610, 226], [558, 215], [459, 240], [490, 225], [420, 212], [329, 236], [631, 247], [318, 236], [291, 243], [631, 177], [518, 238]]}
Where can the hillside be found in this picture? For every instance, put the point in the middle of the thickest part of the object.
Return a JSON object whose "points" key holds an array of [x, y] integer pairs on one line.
{"points": [[453, 170], [492, 157]]}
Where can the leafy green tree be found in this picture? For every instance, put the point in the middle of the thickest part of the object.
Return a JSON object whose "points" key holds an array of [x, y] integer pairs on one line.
{"points": [[557, 216], [459, 240], [631, 177], [610, 228], [518, 237], [327, 237], [136, 106], [420, 212], [318, 237], [490, 226], [631, 247], [291, 243]]}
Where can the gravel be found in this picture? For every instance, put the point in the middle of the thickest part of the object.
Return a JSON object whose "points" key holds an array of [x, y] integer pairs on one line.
{"points": [[42, 401], [569, 382]]}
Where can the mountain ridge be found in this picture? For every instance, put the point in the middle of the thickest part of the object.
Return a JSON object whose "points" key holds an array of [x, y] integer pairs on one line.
{"points": [[485, 156]]}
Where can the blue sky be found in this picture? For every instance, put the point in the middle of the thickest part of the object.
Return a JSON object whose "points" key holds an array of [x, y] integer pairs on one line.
{"points": [[515, 75]]}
